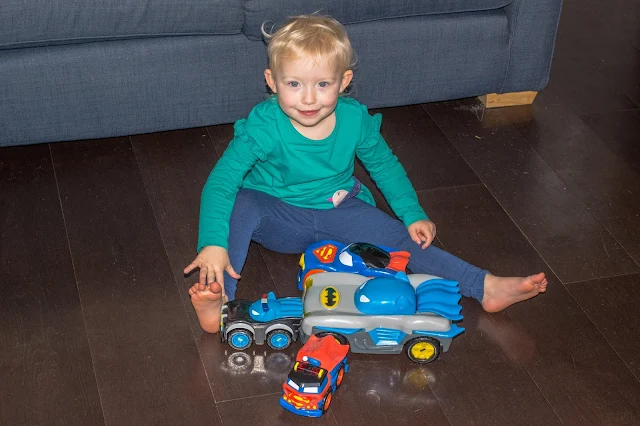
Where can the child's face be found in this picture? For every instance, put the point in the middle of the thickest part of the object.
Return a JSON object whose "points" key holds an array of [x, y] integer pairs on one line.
{"points": [[308, 92]]}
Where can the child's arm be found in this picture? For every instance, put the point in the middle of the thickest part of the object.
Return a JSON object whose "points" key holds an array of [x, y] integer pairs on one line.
{"points": [[391, 178], [218, 198]]}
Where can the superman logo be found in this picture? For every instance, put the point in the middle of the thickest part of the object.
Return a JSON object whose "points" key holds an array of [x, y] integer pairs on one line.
{"points": [[329, 297], [326, 253]]}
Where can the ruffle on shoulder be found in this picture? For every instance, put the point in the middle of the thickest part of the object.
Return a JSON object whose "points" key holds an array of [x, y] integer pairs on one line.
{"points": [[375, 123], [371, 128], [243, 135], [370, 125]]}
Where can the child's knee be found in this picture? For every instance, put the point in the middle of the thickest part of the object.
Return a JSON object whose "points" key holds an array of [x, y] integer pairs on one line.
{"points": [[246, 199]]}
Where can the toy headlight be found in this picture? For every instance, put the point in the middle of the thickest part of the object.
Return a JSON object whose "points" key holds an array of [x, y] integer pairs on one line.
{"points": [[293, 384]]}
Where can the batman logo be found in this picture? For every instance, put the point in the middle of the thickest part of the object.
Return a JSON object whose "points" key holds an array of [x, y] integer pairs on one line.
{"points": [[329, 297]]}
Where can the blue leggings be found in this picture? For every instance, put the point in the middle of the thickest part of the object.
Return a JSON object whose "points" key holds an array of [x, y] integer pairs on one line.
{"points": [[284, 228]]}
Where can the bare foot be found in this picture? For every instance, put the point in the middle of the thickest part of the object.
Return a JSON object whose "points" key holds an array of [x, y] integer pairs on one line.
{"points": [[501, 292], [207, 304]]}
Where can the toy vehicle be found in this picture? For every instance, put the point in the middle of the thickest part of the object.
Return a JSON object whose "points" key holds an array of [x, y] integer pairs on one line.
{"points": [[358, 258], [317, 373], [275, 321], [384, 314]]}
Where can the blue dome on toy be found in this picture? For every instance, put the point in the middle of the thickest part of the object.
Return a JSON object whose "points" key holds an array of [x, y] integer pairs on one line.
{"points": [[386, 296]]}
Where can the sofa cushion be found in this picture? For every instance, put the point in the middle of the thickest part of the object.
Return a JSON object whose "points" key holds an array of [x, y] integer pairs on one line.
{"points": [[274, 12], [43, 22]]}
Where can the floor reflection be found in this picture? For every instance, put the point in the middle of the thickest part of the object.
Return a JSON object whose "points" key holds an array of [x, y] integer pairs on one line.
{"points": [[381, 384], [513, 339], [260, 363]]}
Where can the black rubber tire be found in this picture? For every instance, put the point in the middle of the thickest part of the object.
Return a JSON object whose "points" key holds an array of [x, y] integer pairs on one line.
{"points": [[238, 331]]}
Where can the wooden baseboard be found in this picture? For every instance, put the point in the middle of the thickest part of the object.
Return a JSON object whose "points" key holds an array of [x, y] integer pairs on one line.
{"points": [[497, 100]]}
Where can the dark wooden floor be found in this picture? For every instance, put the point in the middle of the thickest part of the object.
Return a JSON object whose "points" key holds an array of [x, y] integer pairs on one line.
{"points": [[96, 325]]}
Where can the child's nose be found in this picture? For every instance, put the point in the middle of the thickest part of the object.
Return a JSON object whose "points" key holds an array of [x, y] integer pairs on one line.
{"points": [[309, 97]]}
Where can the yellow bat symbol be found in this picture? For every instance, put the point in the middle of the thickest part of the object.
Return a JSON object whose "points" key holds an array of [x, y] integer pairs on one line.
{"points": [[329, 297]]}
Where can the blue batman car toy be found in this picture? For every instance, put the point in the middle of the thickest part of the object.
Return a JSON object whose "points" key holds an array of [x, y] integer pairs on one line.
{"points": [[357, 258], [384, 315]]}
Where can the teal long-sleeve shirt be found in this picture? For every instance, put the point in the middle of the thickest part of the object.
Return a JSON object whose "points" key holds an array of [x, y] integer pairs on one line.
{"points": [[268, 154]]}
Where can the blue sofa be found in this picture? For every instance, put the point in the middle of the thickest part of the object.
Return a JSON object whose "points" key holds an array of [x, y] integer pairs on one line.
{"points": [[81, 69]]}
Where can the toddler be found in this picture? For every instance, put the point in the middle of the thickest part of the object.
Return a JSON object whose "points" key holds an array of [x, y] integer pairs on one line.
{"points": [[286, 179]]}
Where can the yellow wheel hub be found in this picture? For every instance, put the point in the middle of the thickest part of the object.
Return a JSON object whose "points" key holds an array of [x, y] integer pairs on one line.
{"points": [[423, 350]]}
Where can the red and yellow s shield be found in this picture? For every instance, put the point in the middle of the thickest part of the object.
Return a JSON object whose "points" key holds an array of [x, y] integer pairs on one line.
{"points": [[326, 253]]}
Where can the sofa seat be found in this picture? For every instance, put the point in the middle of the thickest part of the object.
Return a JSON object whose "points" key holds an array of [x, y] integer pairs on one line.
{"points": [[44, 23], [258, 12], [84, 69]]}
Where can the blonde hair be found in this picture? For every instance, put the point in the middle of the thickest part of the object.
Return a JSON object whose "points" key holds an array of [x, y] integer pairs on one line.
{"points": [[310, 36]]}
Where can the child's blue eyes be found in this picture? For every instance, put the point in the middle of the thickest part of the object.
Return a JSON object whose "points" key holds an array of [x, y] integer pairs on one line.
{"points": [[296, 84]]}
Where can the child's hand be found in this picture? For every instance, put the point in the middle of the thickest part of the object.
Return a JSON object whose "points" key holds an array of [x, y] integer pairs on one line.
{"points": [[212, 261], [422, 232]]}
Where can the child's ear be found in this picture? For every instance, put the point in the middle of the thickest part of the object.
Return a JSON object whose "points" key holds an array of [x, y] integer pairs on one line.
{"points": [[346, 79], [270, 81]]}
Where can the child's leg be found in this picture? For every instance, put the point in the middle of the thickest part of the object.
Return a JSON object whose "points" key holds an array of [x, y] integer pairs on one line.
{"points": [[268, 221], [355, 220]]}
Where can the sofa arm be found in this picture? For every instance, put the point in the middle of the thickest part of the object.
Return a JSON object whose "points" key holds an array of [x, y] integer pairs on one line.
{"points": [[533, 25]]}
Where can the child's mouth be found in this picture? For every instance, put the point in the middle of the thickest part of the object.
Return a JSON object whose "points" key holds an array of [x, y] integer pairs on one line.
{"points": [[309, 113]]}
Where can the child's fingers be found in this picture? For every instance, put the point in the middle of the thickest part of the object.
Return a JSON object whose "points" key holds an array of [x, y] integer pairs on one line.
{"points": [[232, 272], [428, 237], [427, 243], [202, 279], [190, 267], [414, 236], [219, 277]]}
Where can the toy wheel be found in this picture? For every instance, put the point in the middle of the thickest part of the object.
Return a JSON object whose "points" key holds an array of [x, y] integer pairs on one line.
{"points": [[278, 339], [339, 337], [327, 401], [423, 350], [240, 339], [340, 377]]}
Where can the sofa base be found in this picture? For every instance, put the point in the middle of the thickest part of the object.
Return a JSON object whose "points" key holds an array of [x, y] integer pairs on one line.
{"points": [[497, 100], [126, 87]]}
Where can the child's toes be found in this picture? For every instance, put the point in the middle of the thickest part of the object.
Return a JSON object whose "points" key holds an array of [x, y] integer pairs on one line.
{"points": [[194, 289]]}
